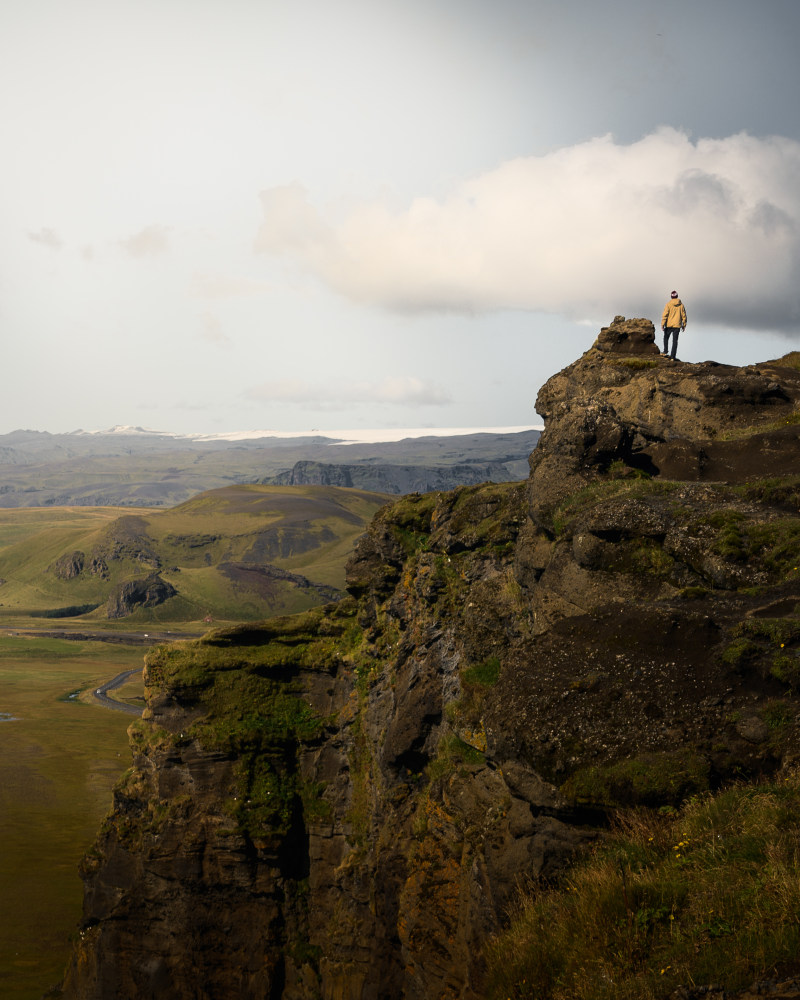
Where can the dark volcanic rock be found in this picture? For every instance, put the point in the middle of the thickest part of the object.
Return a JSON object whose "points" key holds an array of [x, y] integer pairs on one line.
{"points": [[701, 422], [343, 804], [67, 567], [145, 593], [628, 336]]}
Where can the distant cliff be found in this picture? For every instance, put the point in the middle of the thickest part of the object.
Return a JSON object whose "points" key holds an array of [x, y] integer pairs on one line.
{"points": [[343, 804], [131, 467], [399, 478]]}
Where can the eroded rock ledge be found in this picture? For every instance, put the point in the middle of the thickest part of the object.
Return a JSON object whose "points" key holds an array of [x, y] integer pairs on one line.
{"points": [[341, 804]]}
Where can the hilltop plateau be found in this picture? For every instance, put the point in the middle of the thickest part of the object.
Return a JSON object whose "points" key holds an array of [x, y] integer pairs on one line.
{"points": [[570, 702]]}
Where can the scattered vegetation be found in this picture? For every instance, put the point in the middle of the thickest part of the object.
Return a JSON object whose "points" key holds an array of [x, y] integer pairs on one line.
{"points": [[606, 489], [649, 779], [739, 433], [361, 773], [483, 674], [465, 714], [632, 364], [410, 521], [775, 544], [710, 895], [775, 492], [769, 644], [452, 754]]}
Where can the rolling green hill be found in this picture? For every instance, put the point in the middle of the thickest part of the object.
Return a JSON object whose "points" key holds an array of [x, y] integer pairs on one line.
{"points": [[239, 553]]}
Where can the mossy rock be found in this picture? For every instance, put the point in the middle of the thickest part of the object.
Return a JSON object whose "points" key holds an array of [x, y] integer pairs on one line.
{"points": [[657, 779]]}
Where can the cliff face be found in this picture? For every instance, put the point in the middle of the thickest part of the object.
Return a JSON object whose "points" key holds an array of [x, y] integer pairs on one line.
{"points": [[384, 478], [342, 804]]}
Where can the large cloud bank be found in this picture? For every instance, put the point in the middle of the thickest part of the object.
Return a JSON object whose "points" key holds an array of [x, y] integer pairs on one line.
{"points": [[586, 231]]}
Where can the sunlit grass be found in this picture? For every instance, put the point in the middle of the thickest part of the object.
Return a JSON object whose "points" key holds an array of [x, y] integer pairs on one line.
{"points": [[711, 896]]}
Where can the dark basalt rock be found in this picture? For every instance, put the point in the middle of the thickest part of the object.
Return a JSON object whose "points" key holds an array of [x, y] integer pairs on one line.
{"points": [[628, 336], [67, 567], [699, 422], [145, 593], [342, 804]]}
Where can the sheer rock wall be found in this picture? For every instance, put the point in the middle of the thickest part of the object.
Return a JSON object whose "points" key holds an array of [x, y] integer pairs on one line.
{"points": [[342, 804]]}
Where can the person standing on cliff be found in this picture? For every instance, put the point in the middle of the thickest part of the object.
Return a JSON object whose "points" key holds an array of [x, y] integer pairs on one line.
{"points": [[673, 321]]}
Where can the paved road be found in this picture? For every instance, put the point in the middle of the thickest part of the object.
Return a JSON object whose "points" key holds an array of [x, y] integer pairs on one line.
{"points": [[101, 694]]}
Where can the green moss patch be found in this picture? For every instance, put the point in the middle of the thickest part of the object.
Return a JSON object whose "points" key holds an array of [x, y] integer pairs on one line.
{"points": [[649, 779]]}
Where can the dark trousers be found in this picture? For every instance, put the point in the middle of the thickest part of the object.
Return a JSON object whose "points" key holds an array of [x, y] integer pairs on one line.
{"points": [[674, 330]]}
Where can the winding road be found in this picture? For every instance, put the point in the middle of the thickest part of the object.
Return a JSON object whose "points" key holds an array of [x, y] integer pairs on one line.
{"points": [[101, 693]]}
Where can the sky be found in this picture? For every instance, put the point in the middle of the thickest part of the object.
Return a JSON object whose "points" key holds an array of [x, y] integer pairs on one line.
{"points": [[222, 215]]}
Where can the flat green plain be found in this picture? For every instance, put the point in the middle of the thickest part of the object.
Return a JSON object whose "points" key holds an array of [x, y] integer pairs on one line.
{"points": [[59, 759]]}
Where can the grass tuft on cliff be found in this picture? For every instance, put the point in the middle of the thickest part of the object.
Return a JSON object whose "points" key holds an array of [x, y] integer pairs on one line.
{"points": [[706, 895]]}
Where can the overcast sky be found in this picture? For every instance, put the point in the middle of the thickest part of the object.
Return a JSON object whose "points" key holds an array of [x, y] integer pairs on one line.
{"points": [[222, 215]]}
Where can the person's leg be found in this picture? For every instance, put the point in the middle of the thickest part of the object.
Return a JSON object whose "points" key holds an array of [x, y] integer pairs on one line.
{"points": [[674, 343], [666, 340]]}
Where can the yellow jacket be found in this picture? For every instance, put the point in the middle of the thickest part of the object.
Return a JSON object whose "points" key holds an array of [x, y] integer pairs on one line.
{"points": [[674, 315]]}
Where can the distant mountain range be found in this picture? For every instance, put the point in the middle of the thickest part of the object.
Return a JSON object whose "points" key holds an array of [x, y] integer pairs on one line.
{"points": [[133, 466]]}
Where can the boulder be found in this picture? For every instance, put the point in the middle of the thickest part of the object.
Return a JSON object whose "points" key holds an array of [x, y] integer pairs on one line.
{"points": [[628, 336]]}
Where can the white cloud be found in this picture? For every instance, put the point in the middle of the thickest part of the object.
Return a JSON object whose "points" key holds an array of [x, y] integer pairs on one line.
{"points": [[224, 286], [47, 238], [148, 242], [212, 331], [399, 390], [586, 231]]}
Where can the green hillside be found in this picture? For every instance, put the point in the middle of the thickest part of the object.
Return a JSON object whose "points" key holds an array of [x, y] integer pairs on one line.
{"points": [[239, 553]]}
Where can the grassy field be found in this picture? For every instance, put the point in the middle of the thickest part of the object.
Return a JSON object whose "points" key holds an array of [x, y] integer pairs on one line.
{"points": [[59, 758], [235, 554]]}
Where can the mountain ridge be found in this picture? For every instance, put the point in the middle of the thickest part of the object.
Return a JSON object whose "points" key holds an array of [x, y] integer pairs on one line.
{"points": [[42, 469]]}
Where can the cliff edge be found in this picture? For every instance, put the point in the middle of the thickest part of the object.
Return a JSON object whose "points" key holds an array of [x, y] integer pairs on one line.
{"points": [[343, 804]]}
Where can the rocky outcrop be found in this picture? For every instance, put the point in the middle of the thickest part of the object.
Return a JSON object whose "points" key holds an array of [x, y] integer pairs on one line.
{"points": [[623, 404], [67, 567], [148, 592], [342, 804]]}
